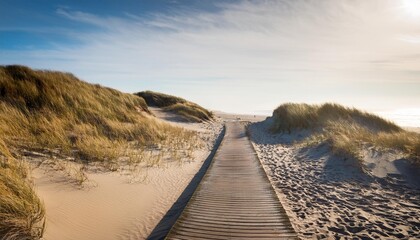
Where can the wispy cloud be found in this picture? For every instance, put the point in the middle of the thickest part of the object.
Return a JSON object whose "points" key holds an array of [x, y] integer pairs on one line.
{"points": [[105, 22], [273, 50]]}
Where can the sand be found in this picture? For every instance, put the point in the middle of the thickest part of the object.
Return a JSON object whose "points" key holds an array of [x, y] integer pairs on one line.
{"points": [[110, 205], [327, 196], [113, 208]]}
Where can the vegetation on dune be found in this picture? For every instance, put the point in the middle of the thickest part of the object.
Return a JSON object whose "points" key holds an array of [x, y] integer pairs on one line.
{"points": [[22, 214], [190, 111], [159, 99], [346, 129], [55, 111], [293, 115]]}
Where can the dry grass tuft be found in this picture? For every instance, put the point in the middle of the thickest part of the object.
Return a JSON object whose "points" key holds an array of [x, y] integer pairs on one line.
{"points": [[346, 129], [190, 111], [22, 214]]}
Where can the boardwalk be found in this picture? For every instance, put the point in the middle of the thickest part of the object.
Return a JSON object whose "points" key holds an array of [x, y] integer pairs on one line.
{"points": [[235, 199]]}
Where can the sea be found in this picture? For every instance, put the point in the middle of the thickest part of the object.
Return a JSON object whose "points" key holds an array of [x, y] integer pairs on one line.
{"points": [[403, 117]]}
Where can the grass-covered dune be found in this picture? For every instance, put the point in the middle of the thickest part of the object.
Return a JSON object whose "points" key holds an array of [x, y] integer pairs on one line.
{"points": [[346, 129], [47, 110], [41, 109], [189, 110]]}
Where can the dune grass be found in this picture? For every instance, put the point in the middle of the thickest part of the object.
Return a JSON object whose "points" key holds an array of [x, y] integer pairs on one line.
{"points": [[345, 129], [190, 111], [45, 111], [22, 214], [41, 109]]}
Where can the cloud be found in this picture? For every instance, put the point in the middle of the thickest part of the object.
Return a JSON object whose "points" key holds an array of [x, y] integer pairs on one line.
{"points": [[249, 47], [88, 18]]}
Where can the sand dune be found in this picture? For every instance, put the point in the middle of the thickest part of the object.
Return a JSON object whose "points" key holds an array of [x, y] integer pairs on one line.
{"points": [[111, 205], [327, 196]]}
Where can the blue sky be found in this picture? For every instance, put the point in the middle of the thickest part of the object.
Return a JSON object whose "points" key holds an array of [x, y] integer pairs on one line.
{"points": [[40, 24], [234, 56]]}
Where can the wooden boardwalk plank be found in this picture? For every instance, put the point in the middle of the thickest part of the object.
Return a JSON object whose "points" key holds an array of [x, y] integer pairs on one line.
{"points": [[234, 200]]}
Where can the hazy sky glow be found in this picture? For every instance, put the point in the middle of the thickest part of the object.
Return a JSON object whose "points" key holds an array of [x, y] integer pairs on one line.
{"points": [[235, 56]]}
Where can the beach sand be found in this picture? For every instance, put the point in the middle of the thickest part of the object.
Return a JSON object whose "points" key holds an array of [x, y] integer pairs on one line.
{"points": [[327, 196], [120, 204]]}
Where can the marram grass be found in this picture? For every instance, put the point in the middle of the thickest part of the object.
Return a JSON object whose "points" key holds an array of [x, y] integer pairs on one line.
{"points": [[56, 110], [345, 129], [22, 214], [189, 110]]}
